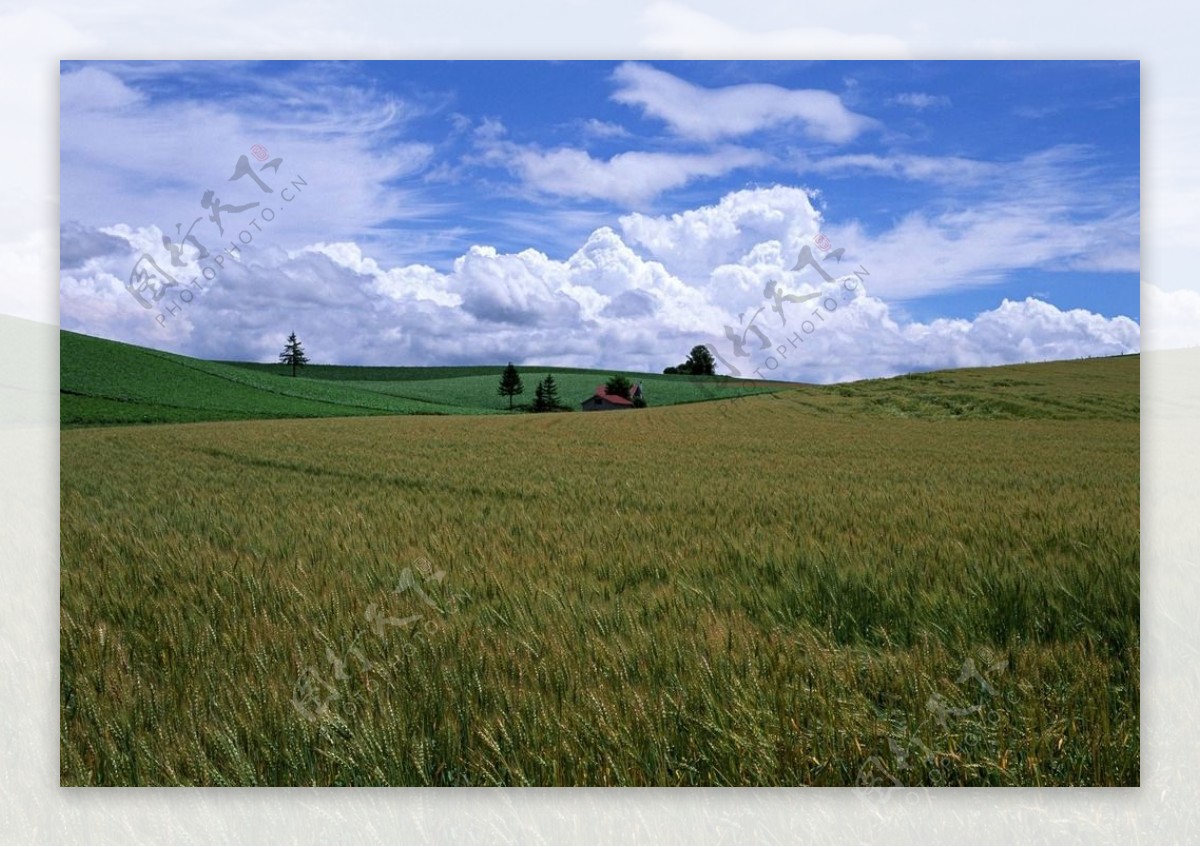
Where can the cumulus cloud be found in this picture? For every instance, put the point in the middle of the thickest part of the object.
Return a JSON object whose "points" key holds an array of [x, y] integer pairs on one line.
{"points": [[78, 243], [638, 298], [522, 289], [602, 305], [695, 243], [608, 266], [842, 336], [415, 281], [708, 114], [630, 304]]}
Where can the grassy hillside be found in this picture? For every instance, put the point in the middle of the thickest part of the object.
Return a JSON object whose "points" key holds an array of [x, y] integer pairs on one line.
{"points": [[1085, 389], [929, 581], [106, 382]]}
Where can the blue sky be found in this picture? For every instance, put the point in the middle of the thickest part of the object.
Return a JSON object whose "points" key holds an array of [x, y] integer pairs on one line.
{"points": [[612, 213]]}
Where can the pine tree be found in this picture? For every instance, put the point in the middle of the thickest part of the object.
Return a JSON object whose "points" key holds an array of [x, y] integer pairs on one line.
{"points": [[293, 354], [510, 384], [551, 393], [539, 398]]}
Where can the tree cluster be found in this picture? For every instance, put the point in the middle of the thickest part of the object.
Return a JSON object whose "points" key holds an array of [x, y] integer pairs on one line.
{"points": [[545, 398], [699, 362]]}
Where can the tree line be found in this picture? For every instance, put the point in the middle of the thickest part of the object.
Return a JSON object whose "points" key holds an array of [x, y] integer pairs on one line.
{"points": [[545, 397]]}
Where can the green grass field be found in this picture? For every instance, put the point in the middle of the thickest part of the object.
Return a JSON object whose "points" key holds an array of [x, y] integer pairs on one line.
{"points": [[932, 580], [106, 382]]}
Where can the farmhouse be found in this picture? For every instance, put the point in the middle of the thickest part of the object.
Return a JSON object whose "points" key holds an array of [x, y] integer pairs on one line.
{"points": [[602, 401]]}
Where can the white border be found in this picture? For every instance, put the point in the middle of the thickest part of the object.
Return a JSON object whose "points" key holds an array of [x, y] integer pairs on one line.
{"points": [[33, 809]]}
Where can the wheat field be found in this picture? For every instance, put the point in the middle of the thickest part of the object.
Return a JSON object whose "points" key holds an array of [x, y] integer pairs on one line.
{"points": [[807, 588]]}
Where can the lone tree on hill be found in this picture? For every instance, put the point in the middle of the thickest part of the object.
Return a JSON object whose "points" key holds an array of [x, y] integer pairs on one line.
{"points": [[619, 385], [699, 362], [510, 384], [293, 354], [545, 398]]}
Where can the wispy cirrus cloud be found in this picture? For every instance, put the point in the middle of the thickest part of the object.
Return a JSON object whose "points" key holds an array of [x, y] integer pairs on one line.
{"points": [[907, 166], [1055, 209], [920, 100], [346, 139], [604, 129]]}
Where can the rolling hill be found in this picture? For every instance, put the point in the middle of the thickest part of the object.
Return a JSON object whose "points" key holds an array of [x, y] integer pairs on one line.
{"points": [[107, 382]]}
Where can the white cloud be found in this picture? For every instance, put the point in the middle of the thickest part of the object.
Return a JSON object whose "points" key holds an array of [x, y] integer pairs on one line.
{"points": [[419, 282], [77, 244], [920, 101], [713, 113], [604, 129], [695, 243], [490, 129], [522, 289], [148, 160], [603, 305], [928, 254], [627, 178], [92, 88], [637, 300], [860, 338], [608, 266], [1051, 210], [939, 169]]}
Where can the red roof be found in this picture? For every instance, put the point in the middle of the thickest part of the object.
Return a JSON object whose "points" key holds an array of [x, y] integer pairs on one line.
{"points": [[615, 399]]}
